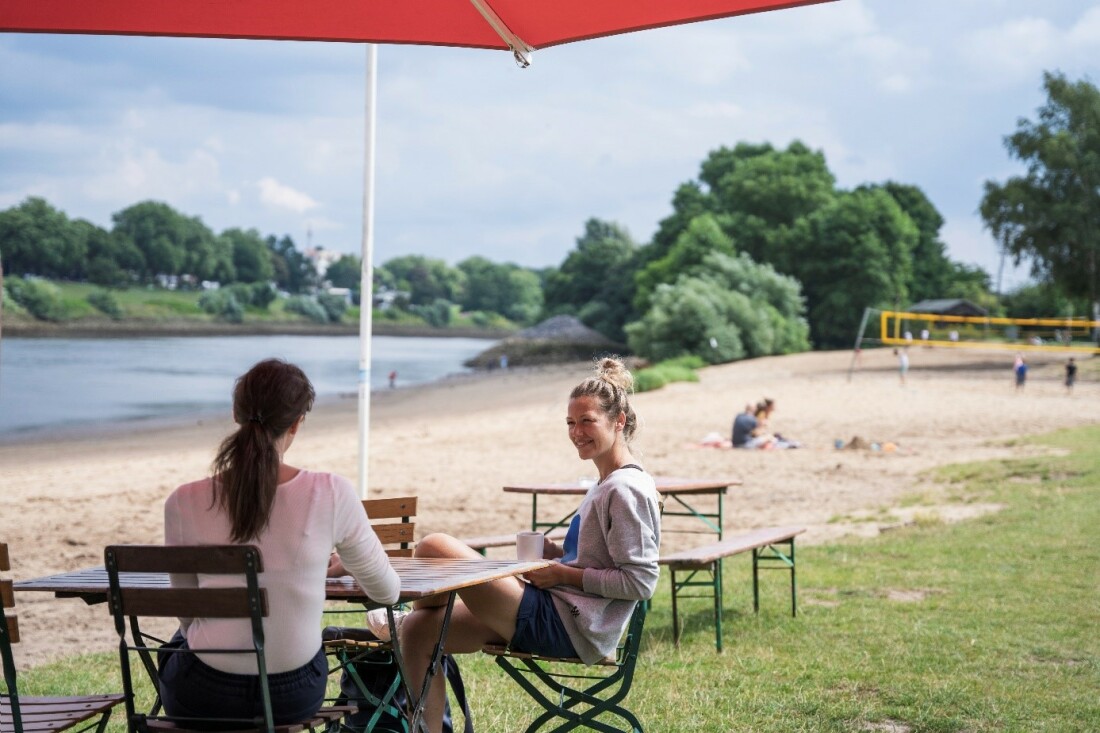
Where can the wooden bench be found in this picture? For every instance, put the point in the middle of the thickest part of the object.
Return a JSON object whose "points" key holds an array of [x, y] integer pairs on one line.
{"points": [[772, 549], [481, 544]]}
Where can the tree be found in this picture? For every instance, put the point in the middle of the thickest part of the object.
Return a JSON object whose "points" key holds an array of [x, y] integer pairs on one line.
{"points": [[1050, 215], [595, 280], [37, 239], [251, 257], [934, 274], [170, 243], [703, 236], [346, 272], [851, 254], [507, 289], [293, 271], [426, 279], [724, 308]]}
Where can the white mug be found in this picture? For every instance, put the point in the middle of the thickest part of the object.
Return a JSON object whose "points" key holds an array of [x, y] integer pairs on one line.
{"points": [[529, 546]]}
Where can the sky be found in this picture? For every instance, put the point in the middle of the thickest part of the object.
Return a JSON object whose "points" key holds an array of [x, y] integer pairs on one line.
{"points": [[476, 156]]}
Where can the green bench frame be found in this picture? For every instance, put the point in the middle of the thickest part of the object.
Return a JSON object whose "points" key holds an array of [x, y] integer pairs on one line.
{"points": [[772, 549]]}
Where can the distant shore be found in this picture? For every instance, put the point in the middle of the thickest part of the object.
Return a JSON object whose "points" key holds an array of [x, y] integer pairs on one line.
{"points": [[144, 329]]}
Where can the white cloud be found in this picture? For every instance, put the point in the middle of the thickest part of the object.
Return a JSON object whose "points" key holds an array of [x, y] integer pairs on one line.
{"points": [[281, 196], [1085, 34]]}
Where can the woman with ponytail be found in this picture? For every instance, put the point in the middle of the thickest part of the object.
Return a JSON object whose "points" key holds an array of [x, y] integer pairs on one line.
{"points": [[296, 517], [580, 605]]}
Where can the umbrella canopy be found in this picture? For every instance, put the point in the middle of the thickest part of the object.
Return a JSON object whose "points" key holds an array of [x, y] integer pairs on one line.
{"points": [[472, 23]]}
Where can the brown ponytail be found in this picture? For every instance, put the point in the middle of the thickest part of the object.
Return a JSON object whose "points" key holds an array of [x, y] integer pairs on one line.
{"points": [[267, 400]]}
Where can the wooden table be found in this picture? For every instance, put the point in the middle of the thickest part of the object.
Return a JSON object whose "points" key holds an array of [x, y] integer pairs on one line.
{"points": [[420, 578], [677, 490]]}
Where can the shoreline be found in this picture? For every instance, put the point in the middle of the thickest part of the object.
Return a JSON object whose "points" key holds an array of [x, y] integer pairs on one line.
{"points": [[184, 328]]}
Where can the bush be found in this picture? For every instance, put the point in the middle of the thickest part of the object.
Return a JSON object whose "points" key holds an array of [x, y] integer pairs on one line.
{"points": [[106, 303], [674, 370], [41, 299], [257, 295], [648, 380], [438, 314], [307, 307], [222, 304], [334, 306]]}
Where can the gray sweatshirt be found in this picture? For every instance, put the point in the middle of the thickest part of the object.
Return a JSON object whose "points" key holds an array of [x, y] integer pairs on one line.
{"points": [[620, 532]]}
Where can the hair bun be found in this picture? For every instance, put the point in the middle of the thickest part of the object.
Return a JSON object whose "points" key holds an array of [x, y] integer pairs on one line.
{"points": [[613, 371]]}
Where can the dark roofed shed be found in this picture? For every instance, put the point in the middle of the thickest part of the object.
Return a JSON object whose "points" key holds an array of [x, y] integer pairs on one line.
{"points": [[949, 307]]}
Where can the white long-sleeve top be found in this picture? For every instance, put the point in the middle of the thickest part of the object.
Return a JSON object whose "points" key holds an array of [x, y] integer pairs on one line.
{"points": [[313, 512]]}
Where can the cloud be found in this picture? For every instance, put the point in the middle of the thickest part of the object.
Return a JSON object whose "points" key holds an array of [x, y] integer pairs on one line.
{"points": [[1018, 49], [279, 196]]}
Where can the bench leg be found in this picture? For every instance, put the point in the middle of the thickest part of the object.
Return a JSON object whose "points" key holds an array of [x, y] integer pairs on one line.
{"points": [[675, 610], [716, 573], [776, 560]]}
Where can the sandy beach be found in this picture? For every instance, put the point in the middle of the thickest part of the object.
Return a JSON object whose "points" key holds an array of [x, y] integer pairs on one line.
{"points": [[457, 442]]}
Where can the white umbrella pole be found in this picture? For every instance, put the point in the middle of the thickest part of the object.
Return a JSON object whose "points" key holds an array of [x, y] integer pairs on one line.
{"points": [[366, 283]]}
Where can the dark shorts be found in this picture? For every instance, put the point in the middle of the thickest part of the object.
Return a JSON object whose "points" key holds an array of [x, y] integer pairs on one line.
{"points": [[192, 688], [539, 629]]}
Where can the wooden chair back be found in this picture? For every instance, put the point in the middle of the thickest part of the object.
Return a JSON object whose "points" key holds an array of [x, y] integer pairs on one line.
{"points": [[394, 521], [154, 598], [40, 714]]}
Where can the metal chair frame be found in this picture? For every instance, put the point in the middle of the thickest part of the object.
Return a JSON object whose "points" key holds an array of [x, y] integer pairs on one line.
{"points": [[578, 706]]}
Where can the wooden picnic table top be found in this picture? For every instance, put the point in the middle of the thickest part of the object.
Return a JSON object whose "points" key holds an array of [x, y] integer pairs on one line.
{"points": [[420, 577], [665, 485]]}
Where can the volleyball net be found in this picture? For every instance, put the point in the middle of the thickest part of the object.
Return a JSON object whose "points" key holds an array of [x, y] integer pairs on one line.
{"points": [[1063, 335]]}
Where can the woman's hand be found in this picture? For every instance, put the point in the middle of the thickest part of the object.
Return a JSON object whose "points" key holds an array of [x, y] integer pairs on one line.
{"points": [[555, 574], [551, 550], [335, 567]]}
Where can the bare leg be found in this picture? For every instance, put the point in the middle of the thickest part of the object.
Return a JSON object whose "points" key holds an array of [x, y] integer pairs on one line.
{"points": [[484, 614]]}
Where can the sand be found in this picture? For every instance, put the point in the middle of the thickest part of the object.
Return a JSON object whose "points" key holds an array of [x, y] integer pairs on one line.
{"points": [[457, 442]]}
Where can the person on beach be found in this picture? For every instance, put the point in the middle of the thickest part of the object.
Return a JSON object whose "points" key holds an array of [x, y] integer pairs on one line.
{"points": [[295, 517], [903, 363], [579, 606]]}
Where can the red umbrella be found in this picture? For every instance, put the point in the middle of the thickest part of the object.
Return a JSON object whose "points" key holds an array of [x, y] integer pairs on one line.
{"points": [[520, 26]]}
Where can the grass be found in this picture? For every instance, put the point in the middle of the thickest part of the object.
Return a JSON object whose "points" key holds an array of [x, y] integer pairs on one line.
{"points": [[987, 625]]}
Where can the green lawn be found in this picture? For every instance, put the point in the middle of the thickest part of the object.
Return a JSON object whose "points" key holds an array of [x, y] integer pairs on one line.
{"points": [[986, 625]]}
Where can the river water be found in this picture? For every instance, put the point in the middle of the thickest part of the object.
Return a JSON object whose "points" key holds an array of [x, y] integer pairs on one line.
{"points": [[47, 385]]}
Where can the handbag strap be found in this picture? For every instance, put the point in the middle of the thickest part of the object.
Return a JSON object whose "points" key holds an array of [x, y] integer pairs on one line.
{"points": [[458, 687]]}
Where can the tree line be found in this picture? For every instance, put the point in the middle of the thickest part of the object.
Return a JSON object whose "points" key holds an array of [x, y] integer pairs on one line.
{"points": [[762, 253]]}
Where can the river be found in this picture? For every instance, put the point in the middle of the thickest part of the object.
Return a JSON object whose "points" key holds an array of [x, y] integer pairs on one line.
{"points": [[48, 385]]}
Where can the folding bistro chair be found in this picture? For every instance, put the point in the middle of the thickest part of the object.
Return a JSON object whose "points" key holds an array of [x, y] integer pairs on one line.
{"points": [[355, 651], [41, 714], [248, 601], [577, 699]]}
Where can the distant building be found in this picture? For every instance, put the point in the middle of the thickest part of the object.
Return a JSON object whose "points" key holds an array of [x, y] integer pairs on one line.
{"points": [[385, 299], [344, 293], [948, 307], [322, 259]]}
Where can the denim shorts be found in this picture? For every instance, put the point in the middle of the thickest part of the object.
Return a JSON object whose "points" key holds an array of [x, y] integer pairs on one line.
{"points": [[539, 629], [191, 688]]}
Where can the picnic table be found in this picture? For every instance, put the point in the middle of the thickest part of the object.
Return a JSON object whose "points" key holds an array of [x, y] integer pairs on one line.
{"points": [[677, 491], [420, 578]]}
